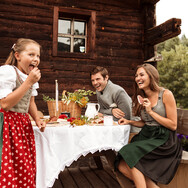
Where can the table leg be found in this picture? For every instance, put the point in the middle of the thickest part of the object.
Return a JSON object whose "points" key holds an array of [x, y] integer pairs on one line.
{"points": [[123, 181], [98, 162]]}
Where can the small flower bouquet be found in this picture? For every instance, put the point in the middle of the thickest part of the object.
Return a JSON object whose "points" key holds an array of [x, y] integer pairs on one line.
{"points": [[79, 96], [184, 141]]}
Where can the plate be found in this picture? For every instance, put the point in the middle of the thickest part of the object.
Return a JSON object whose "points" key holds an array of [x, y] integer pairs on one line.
{"points": [[53, 122]]}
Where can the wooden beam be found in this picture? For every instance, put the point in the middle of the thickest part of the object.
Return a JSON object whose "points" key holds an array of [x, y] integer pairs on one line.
{"points": [[149, 15], [149, 1], [165, 31]]}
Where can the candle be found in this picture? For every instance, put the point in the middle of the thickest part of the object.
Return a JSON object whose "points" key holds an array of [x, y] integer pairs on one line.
{"points": [[56, 96]]}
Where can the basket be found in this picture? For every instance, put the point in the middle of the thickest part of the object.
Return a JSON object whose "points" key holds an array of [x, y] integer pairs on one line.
{"points": [[52, 108], [73, 108]]}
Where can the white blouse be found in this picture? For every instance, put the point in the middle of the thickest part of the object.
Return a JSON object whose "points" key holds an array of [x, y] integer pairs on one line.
{"points": [[8, 80]]}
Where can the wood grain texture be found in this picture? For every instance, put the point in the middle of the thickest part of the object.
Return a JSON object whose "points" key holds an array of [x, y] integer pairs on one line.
{"points": [[117, 40]]}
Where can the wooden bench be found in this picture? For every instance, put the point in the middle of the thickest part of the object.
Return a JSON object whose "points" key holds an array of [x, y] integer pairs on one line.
{"points": [[181, 177]]}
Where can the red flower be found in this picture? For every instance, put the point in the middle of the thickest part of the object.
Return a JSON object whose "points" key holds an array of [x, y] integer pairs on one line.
{"points": [[71, 119], [63, 116]]}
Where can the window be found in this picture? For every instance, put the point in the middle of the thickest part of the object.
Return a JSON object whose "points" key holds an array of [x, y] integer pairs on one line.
{"points": [[72, 35], [73, 32]]}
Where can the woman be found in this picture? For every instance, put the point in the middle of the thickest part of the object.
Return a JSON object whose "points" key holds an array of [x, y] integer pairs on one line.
{"points": [[155, 152]]}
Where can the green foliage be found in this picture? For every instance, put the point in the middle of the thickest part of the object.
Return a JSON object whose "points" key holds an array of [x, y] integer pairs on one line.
{"points": [[173, 69], [47, 98], [168, 45], [79, 96]]}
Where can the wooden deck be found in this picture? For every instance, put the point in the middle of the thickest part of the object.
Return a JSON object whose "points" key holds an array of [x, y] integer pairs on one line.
{"points": [[85, 174], [86, 177]]}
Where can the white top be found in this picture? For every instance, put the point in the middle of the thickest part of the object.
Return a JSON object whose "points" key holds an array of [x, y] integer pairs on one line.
{"points": [[58, 147], [8, 80]]}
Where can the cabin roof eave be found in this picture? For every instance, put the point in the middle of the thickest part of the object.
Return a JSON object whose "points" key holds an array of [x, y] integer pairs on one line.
{"points": [[149, 1]]}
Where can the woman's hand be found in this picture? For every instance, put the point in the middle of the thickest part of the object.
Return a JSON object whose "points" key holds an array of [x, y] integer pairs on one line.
{"points": [[123, 121], [41, 125], [147, 105]]}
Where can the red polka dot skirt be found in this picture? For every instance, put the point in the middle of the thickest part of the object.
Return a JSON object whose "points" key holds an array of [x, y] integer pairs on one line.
{"points": [[18, 167]]}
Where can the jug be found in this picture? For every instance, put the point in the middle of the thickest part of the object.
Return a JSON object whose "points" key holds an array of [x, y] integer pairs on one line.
{"points": [[91, 110]]}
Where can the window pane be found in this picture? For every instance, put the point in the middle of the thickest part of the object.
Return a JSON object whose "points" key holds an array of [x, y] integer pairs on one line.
{"points": [[64, 26], [79, 28], [64, 44], [79, 45]]}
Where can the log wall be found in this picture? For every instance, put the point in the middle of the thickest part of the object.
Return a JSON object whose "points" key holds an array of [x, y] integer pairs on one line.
{"points": [[118, 45]]}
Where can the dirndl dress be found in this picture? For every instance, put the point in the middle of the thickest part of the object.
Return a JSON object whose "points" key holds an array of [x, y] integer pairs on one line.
{"points": [[18, 167], [155, 150], [18, 164]]}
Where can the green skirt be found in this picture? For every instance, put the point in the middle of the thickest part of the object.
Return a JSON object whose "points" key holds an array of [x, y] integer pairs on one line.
{"points": [[155, 151]]}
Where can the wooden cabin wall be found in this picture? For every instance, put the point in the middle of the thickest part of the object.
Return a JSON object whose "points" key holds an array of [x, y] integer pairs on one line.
{"points": [[149, 22], [118, 46]]}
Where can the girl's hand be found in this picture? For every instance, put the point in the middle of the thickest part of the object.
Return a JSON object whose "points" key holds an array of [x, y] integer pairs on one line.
{"points": [[34, 76], [41, 125], [123, 121], [147, 105]]}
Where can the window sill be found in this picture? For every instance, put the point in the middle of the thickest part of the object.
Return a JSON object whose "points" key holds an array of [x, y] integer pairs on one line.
{"points": [[75, 55]]}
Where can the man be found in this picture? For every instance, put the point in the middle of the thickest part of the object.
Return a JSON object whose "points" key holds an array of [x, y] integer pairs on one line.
{"points": [[112, 98]]}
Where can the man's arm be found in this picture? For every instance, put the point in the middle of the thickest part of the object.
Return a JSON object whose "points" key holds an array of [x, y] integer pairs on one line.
{"points": [[124, 104], [105, 111]]}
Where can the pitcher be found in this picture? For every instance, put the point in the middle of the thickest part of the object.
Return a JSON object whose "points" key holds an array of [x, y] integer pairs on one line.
{"points": [[92, 110]]}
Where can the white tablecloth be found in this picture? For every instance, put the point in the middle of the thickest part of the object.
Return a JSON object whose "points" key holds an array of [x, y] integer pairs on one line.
{"points": [[58, 147]]}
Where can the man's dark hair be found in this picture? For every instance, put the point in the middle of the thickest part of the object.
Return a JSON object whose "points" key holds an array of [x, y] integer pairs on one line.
{"points": [[98, 69]]}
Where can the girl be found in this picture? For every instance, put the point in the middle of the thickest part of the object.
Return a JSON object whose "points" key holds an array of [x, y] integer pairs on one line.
{"points": [[18, 84], [155, 152]]}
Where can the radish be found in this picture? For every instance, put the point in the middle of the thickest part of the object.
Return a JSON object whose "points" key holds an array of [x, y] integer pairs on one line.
{"points": [[140, 99]]}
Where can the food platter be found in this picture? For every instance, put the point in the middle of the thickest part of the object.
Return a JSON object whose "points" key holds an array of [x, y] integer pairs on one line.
{"points": [[54, 122]]}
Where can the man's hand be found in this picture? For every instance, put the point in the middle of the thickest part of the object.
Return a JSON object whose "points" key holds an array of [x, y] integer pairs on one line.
{"points": [[100, 114], [118, 113]]}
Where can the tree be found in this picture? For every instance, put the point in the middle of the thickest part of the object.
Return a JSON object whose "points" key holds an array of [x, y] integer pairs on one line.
{"points": [[184, 40], [173, 69], [168, 45]]}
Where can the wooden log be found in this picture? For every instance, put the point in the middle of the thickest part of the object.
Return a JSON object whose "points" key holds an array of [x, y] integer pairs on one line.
{"points": [[149, 1], [116, 23], [123, 181], [165, 31], [149, 22], [29, 3], [19, 9], [116, 52]]}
